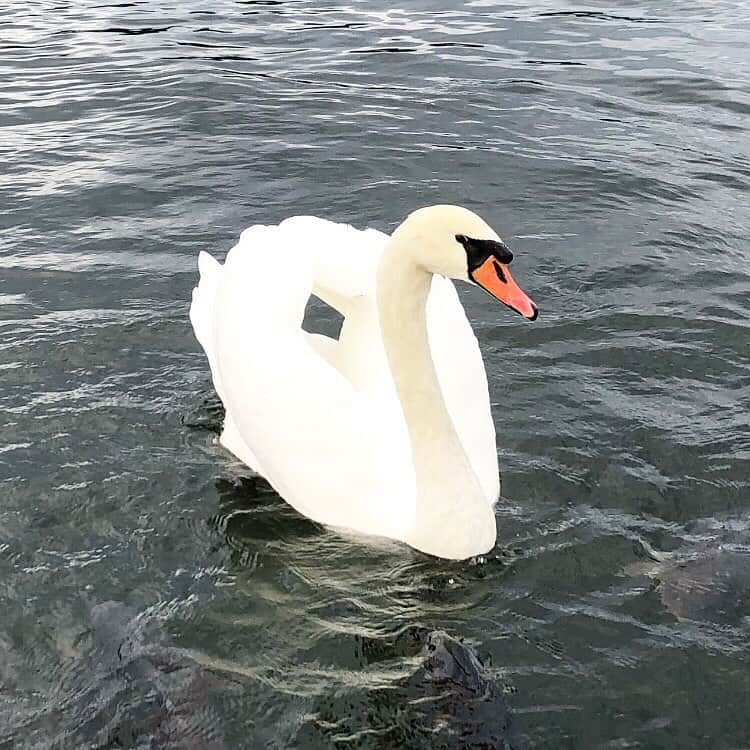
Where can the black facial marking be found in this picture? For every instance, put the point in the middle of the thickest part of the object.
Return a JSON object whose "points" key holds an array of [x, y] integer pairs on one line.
{"points": [[477, 252]]}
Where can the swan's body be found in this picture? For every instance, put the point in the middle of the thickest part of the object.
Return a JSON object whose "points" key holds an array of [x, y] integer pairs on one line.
{"points": [[386, 431]]}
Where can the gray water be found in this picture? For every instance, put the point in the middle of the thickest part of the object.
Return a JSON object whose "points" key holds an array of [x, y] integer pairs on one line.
{"points": [[609, 143]]}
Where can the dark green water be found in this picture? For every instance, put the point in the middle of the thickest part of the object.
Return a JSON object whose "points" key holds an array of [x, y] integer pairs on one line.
{"points": [[608, 143]]}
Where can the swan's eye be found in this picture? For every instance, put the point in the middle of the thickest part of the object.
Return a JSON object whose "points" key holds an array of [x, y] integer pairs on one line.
{"points": [[462, 238]]}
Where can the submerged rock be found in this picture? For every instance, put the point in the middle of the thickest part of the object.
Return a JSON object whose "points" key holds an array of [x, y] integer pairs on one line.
{"points": [[151, 694], [125, 687], [708, 579], [450, 660], [449, 702], [465, 707]]}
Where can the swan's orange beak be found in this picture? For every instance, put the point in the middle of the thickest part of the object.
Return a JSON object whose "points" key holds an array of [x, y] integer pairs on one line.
{"points": [[494, 277]]}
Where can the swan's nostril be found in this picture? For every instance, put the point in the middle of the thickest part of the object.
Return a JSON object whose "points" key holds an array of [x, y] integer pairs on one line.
{"points": [[500, 273]]}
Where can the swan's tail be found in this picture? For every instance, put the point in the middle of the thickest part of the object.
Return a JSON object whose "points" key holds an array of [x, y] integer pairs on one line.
{"points": [[202, 306], [202, 319]]}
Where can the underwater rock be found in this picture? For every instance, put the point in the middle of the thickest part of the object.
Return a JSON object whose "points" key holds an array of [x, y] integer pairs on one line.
{"points": [[124, 686], [450, 702], [451, 660], [465, 708], [708, 579], [150, 694]]}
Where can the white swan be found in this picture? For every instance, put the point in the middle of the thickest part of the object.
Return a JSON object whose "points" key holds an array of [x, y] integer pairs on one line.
{"points": [[388, 430]]}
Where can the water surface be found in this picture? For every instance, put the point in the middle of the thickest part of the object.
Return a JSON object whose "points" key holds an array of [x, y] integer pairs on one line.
{"points": [[608, 143]]}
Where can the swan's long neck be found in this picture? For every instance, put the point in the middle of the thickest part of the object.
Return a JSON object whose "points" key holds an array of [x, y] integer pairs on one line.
{"points": [[452, 514]]}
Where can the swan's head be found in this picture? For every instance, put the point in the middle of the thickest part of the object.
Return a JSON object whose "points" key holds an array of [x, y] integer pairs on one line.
{"points": [[455, 242]]}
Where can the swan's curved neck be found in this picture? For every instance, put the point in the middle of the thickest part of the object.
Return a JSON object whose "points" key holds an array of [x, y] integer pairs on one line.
{"points": [[452, 514]]}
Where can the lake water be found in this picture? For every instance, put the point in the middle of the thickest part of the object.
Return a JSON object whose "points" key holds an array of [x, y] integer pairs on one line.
{"points": [[609, 143]]}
